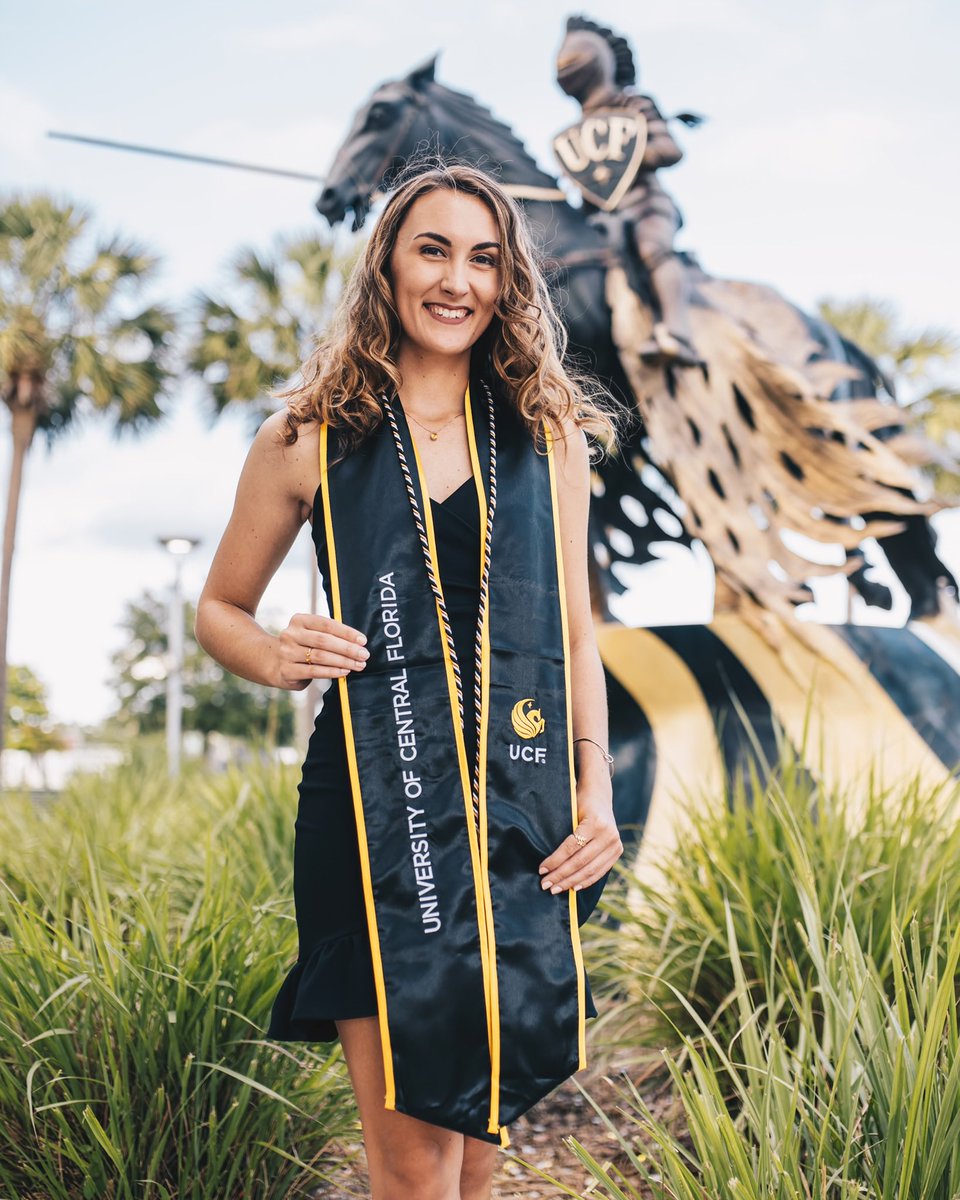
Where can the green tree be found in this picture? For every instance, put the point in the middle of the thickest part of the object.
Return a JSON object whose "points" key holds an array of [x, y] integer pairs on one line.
{"points": [[74, 339], [214, 700], [246, 345], [918, 370], [28, 717]]}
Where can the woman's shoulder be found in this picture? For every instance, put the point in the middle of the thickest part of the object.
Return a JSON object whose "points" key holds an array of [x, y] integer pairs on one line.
{"points": [[287, 441], [568, 439], [293, 462]]}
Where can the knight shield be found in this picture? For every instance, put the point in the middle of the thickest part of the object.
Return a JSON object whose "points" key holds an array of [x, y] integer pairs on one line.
{"points": [[602, 153]]}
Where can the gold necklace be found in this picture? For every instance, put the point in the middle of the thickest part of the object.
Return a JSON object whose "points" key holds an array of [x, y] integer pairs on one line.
{"points": [[434, 434]]}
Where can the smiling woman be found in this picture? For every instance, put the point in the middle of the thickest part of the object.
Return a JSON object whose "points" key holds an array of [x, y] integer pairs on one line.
{"points": [[445, 288], [445, 833], [486, 248]]}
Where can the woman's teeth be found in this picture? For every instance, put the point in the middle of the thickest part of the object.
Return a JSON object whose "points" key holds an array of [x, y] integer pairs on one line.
{"points": [[448, 314]]}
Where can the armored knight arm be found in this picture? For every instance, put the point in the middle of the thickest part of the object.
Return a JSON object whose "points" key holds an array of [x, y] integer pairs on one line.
{"points": [[661, 150]]}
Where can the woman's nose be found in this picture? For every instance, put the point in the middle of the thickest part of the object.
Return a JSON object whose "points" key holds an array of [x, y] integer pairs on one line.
{"points": [[454, 278]]}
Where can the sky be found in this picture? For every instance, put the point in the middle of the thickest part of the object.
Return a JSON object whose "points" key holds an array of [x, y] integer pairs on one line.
{"points": [[827, 168]]}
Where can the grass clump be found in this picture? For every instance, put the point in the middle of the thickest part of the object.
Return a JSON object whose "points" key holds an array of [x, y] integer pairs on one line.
{"points": [[753, 857], [796, 964], [140, 948]]}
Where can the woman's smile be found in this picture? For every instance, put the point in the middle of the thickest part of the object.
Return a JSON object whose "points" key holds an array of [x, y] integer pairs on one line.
{"points": [[445, 266], [448, 314]]}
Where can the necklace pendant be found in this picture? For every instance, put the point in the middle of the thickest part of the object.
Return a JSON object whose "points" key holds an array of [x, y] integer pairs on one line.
{"points": [[433, 437]]}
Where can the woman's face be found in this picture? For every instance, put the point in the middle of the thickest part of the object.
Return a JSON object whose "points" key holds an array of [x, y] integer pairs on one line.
{"points": [[445, 268]]}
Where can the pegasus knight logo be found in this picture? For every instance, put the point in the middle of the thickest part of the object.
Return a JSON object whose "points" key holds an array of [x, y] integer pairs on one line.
{"points": [[527, 724]]}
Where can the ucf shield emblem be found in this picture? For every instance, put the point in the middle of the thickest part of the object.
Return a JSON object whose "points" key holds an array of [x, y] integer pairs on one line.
{"points": [[601, 154]]}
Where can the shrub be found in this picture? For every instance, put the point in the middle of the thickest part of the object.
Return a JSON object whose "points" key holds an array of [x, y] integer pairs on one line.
{"points": [[143, 947], [864, 1102], [798, 964], [755, 853]]}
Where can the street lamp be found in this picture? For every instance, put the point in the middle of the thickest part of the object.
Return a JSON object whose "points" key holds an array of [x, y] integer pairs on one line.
{"points": [[178, 548]]}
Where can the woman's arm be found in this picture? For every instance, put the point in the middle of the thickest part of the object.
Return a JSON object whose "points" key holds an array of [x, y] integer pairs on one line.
{"points": [[571, 865], [267, 514]]}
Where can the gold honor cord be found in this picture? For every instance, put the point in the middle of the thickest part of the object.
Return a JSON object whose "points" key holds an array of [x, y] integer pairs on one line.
{"points": [[572, 895], [475, 809], [482, 684], [390, 1099]]}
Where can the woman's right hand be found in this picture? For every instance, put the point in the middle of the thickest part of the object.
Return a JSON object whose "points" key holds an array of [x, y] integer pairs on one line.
{"points": [[334, 649]]}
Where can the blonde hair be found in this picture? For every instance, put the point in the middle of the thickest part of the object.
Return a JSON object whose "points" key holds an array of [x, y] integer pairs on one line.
{"points": [[355, 360]]}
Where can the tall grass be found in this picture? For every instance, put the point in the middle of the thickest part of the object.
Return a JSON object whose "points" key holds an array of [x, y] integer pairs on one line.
{"points": [[144, 928], [798, 966], [864, 1102], [144, 825], [754, 854]]}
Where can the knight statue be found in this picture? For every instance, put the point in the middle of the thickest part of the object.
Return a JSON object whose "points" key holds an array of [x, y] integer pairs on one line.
{"points": [[613, 155]]}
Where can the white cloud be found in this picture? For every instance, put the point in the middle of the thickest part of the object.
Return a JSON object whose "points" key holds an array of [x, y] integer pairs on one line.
{"points": [[67, 604], [324, 33], [731, 16], [823, 152], [87, 543], [25, 123]]}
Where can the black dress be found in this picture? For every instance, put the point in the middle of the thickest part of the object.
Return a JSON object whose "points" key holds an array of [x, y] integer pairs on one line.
{"points": [[333, 975]]}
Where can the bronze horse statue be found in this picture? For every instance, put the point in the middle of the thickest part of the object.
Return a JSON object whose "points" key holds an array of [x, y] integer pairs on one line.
{"points": [[669, 686], [415, 111]]}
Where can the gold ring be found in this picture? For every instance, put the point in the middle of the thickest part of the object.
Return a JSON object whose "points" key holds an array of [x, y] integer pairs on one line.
{"points": [[309, 652], [581, 841]]}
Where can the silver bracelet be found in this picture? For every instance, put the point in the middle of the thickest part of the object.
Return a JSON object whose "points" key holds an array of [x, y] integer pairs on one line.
{"points": [[606, 755]]}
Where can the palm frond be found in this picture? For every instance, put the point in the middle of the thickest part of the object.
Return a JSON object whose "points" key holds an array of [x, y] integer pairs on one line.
{"points": [[69, 316], [255, 338]]}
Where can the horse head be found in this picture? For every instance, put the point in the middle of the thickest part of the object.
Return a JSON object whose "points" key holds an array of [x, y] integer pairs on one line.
{"points": [[385, 131], [416, 113]]}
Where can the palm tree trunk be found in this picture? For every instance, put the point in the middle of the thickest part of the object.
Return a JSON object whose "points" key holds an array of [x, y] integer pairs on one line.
{"points": [[20, 396]]}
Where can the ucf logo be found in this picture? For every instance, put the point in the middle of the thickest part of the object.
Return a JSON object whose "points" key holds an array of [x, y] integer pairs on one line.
{"points": [[601, 154], [527, 724]]}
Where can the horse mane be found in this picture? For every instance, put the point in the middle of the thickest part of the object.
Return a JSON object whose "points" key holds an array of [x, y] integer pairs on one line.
{"points": [[486, 135]]}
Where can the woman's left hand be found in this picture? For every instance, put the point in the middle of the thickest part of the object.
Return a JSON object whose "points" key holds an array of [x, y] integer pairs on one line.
{"points": [[574, 866]]}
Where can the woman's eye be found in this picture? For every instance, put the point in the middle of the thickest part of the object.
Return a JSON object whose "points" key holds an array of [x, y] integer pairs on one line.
{"points": [[483, 260]]}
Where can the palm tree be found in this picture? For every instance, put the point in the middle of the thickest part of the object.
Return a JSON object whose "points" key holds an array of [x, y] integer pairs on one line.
{"points": [[246, 346], [915, 366], [73, 340]]}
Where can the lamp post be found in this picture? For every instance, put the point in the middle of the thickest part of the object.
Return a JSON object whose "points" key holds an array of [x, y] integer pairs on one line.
{"points": [[178, 548]]}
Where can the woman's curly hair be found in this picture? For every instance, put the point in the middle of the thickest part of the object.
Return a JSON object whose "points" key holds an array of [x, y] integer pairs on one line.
{"points": [[525, 343]]}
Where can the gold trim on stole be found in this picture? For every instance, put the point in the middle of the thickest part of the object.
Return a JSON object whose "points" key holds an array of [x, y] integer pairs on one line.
{"points": [[390, 1098], [574, 927], [480, 882]]}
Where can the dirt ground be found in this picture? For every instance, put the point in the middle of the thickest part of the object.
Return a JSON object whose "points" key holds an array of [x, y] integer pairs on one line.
{"points": [[537, 1137]]}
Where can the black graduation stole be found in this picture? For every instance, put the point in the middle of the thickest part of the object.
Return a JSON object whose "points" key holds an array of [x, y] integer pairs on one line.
{"points": [[478, 970]]}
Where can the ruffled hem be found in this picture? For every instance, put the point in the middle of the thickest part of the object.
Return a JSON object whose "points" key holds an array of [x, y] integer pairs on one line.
{"points": [[335, 982]]}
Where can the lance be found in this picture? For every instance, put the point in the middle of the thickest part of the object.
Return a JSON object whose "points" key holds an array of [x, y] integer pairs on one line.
{"points": [[204, 159]]}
